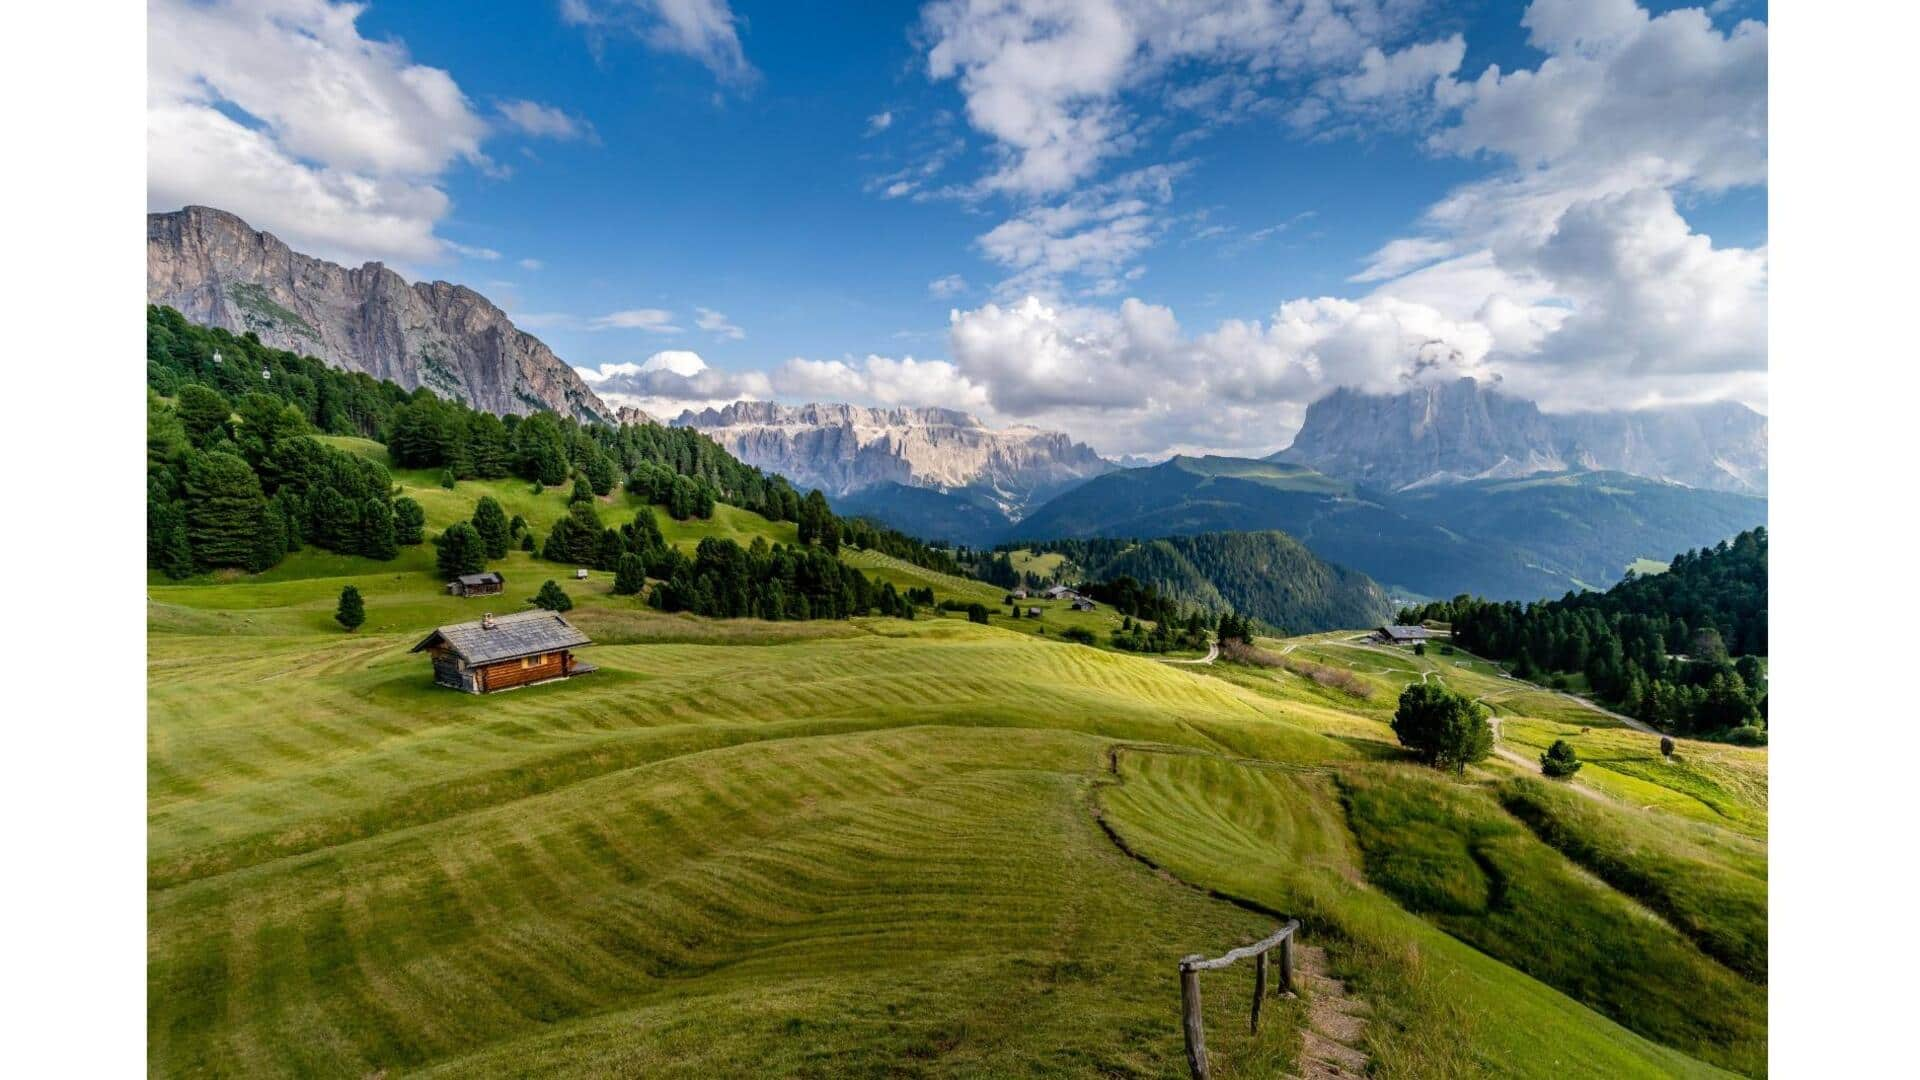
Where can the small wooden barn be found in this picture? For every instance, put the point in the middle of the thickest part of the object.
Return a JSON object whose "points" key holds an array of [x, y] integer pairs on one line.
{"points": [[487, 584], [505, 651]]}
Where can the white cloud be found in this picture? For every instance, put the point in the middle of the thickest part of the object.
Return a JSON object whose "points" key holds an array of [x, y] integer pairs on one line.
{"points": [[541, 121], [715, 323], [945, 287], [1045, 79], [879, 380], [1093, 234], [652, 320], [484, 254], [532, 264], [879, 122], [706, 30], [673, 380], [1397, 257], [1412, 70], [279, 111]]}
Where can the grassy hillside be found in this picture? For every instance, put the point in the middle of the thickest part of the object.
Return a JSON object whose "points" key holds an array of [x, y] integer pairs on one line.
{"points": [[1523, 539], [863, 847]]}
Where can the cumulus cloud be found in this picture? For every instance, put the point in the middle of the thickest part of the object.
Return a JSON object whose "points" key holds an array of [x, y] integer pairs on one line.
{"points": [[717, 324], [671, 381], [1047, 79], [706, 30], [879, 380], [280, 111], [652, 320], [879, 122], [1093, 235]]}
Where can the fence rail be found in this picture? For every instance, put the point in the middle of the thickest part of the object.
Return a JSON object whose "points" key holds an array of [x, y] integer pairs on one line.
{"points": [[1192, 966]]}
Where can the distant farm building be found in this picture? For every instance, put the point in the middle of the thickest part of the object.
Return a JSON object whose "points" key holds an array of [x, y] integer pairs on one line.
{"points": [[1019, 593], [580, 574], [1033, 613], [1059, 592], [505, 651], [487, 584], [1081, 603], [1403, 635]]}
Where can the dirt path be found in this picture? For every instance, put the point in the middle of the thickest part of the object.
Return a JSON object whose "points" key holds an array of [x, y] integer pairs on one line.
{"points": [[1213, 653], [1336, 1020]]}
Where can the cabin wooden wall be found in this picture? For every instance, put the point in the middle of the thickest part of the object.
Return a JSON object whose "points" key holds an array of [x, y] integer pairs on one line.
{"points": [[510, 673]]}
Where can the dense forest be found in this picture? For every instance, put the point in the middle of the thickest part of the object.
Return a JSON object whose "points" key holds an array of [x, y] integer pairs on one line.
{"points": [[1267, 576], [234, 481], [1685, 649]]}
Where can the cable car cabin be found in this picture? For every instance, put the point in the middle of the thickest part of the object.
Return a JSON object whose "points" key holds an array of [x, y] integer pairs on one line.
{"points": [[505, 651]]}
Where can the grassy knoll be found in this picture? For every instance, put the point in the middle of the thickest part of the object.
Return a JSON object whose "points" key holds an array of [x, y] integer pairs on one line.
{"points": [[1709, 883], [1277, 837], [1449, 852]]}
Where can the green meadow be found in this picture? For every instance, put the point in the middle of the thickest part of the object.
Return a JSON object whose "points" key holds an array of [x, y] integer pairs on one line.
{"points": [[882, 847]]}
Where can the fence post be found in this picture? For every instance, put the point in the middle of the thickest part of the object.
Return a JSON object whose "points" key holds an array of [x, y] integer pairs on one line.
{"points": [[1259, 988], [1286, 964], [1190, 1016]]}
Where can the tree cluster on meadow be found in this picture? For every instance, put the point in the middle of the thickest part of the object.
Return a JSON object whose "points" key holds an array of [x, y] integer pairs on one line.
{"points": [[1685, 649]]}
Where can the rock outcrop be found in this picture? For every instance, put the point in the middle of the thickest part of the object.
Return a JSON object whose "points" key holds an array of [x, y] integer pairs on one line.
{"points": [[1462, 430], [843, 449], [220, 271]]}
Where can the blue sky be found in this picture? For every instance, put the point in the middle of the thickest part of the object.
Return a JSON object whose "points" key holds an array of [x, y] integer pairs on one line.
{"points": [[1154, 231]]}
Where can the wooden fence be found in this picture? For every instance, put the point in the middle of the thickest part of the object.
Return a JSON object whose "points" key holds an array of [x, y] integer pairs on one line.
{"points": [[1192, 966]]}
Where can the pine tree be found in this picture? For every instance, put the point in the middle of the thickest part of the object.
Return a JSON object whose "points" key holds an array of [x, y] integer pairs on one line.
{"points": [[223, 507], [377, 540], [409, 522], [461, 551], [1560, 760], [352, 611], [552, 597], [490, 521], [582, 491], [630, 576], [447, 479]]}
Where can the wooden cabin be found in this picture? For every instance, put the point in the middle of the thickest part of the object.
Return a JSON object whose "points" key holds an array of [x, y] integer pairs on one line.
{"points": [[1403, 635], [501, 652], [487, 584]]}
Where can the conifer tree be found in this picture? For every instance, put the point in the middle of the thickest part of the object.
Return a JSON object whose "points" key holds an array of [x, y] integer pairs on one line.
{"points": [[352, 611], [552, 597], [223, 507], [409, 522], [377, 540], [490, 521], [629, 576], [461, 551]]}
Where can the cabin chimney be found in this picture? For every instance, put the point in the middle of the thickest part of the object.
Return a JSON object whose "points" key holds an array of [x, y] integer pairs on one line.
{"points": [[486, 621]]}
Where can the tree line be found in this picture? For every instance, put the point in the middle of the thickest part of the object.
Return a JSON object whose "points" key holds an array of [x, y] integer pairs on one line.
{"points": [[278, 396], [1684, 650]]}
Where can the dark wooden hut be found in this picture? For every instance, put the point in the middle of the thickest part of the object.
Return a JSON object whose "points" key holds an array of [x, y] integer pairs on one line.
{"points": [[487, 584], [505, 651]]}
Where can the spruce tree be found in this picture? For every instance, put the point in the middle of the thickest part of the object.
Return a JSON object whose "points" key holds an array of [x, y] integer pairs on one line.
{"points": [[461, 551], [352, 611], [203, 412], [447, 479], [223, 504], [377, 540], [409, 522], [1560, 760], [552, 597], [490, 521], [630, 576], [582, 491]]}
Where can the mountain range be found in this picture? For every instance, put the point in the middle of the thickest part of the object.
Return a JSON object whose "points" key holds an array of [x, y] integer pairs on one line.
{"points": [[219, 271], [845, 450], [1464, 430], [1520, 539]]}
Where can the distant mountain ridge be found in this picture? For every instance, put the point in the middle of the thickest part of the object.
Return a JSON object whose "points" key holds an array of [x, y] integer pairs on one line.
{"points": [[1520, 539], [847, 449], [1463, 430], [217, 270]]}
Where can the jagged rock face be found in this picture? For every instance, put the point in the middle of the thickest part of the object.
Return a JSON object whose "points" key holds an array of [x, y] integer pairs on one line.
{"points": [[1461, 430], [218, 270], [842, 449]]}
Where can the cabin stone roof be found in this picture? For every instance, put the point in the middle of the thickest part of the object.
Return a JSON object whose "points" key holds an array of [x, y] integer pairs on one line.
{"points": [[1405, 633], [488, 578], [509, 637]]}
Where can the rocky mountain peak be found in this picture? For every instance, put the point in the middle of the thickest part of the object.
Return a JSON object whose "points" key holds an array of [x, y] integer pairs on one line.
{"points": [[1466, 430], [218, 270]]}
